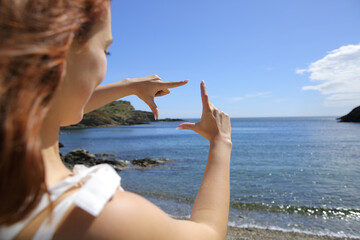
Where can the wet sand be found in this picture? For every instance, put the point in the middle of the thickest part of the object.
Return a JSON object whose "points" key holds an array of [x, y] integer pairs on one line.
{"points": [[260, 234]]}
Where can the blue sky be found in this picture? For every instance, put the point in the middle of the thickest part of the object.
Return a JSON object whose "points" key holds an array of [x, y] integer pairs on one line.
{"points": [[259, 58]]}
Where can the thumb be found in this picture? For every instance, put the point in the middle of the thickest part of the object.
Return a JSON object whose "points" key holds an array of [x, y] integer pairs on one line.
{"points": [[188, 126]]}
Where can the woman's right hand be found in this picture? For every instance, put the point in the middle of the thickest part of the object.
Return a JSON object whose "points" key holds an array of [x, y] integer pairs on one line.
{"points": [[214, 124]]}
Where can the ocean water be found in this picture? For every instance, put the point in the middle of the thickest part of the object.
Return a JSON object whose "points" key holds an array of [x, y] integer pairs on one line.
{"points": [[290, 174]]}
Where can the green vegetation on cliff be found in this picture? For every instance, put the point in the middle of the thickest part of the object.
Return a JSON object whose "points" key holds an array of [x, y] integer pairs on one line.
{"points": [[114, 114]]}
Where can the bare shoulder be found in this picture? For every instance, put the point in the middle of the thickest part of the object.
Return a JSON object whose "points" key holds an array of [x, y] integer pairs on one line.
{"points": [[130, 216], [124, 215]]}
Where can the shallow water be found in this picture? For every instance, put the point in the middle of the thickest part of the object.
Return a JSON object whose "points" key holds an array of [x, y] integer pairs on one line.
{"points": [[294, 174]]}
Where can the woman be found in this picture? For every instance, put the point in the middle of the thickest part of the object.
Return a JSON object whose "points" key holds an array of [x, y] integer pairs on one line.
{"points": [[52, 59]]}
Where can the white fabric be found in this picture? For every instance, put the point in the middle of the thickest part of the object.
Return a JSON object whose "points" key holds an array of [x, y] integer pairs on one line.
{"points": [[48, 227], [99, 185]]}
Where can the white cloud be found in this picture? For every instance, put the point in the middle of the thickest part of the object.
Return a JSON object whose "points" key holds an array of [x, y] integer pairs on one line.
{"points": [[252, 95], [339, 76], [236, 99], [301, 71]]}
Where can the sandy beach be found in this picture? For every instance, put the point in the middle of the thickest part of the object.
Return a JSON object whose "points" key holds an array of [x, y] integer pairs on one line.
{"points": [[264, 234]]}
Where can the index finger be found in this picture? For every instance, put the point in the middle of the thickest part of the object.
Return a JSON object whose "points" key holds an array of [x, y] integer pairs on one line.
{"points": [[204, 96], [174, 84]]}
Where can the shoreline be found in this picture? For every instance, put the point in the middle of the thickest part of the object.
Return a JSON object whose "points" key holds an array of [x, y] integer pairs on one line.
{"points": [[251, 233], [255, 233], [244, 231]]}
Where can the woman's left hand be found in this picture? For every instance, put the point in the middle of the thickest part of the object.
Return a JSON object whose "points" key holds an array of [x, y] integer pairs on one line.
{"points": [[147, 88]]}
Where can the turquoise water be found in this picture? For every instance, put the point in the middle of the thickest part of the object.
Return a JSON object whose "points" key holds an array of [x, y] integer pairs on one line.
{"points": [[293, 174]]}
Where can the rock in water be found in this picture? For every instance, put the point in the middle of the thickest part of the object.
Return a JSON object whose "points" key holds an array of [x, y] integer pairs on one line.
{"points": [[84, 157], [353, 116], [149, 162], [171, 120], [104, 155], [79, 156], [118, 165]]}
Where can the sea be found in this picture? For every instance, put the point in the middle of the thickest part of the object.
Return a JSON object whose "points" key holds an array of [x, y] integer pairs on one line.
{"points": [[294, 174]]}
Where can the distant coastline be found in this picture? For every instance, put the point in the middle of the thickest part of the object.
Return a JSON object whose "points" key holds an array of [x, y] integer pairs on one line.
{"points": [[116, 113], [353, 116]]}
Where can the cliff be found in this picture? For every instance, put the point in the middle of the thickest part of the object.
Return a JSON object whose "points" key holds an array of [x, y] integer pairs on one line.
{"points": [[353, 116], [116, 113]]}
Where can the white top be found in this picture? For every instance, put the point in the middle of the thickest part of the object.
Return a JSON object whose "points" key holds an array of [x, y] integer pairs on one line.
{"points": [[99, 184]]}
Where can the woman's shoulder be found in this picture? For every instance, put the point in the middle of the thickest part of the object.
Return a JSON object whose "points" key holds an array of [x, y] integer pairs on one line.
{"points": [[120, 217], [129, 216]]}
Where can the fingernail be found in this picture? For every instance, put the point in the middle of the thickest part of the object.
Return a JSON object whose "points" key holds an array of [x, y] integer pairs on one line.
{"points": [[186, 81], [179, 128], [203, 82], [155, 117]]}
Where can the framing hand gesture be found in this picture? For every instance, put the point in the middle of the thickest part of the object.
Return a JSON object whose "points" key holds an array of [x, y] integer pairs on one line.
{"points": [[213, 123], [147, 88]]}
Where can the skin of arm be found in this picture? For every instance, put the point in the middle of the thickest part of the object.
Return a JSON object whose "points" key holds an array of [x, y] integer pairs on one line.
{"points": [[146, 88], [211, 205], [107, 93], [131, 217]]}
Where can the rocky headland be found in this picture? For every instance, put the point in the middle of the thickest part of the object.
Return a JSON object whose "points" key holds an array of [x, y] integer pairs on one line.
{"points": [[353, 116], [84, 157], [116, 113]]}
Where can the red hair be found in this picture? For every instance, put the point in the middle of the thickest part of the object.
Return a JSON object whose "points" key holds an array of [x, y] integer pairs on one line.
{"points": [[35, 36]]}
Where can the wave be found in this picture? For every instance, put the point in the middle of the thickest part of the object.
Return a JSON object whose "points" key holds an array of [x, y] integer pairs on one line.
{"points": [[294, 230], [163, 196], [263, 207], [301, 210]]}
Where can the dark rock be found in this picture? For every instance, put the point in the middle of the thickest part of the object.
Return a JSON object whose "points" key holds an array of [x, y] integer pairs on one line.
{"points": [[116, 164], [80, 156], [171, 120], [61, 145], [353, 116], [149, 162], [84, 157], [104, 155], [94, 119], [140, 117]]}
